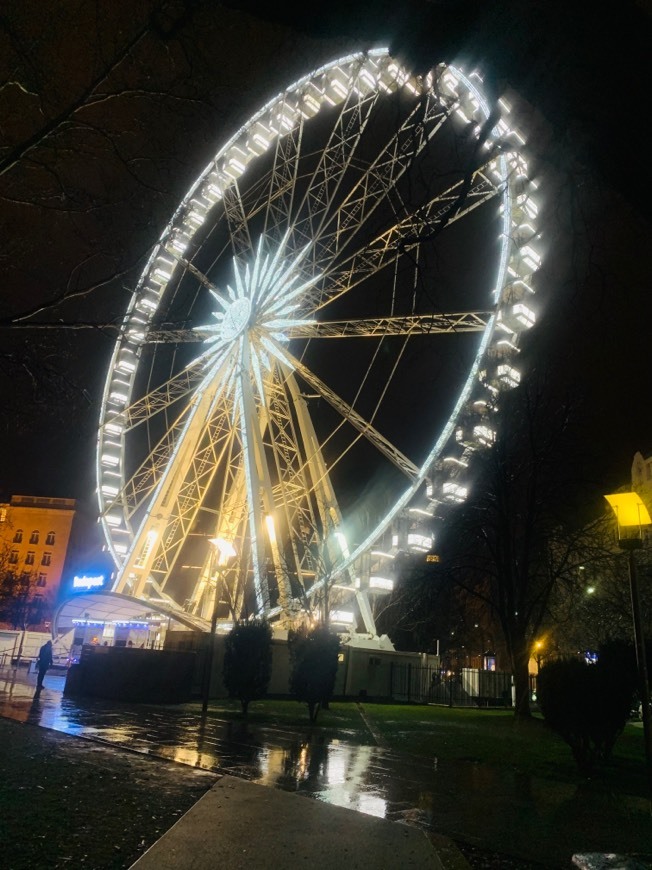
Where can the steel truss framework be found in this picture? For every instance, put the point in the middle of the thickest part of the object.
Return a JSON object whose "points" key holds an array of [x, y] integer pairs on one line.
{"points": [[319, 220]]}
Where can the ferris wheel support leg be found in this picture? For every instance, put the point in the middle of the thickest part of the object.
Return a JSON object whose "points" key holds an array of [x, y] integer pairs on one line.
{"points": [[365, 612], [249, 435]]}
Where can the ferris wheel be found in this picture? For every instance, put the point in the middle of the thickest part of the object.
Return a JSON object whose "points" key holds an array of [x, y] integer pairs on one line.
{"points": [[316, 346]]}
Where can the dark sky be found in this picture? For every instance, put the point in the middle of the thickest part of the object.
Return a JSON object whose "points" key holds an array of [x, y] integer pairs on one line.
{"points": [[108, 117]]}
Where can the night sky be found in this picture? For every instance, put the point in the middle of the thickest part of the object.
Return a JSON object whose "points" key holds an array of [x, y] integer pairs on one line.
{"points": [[107, 117]]}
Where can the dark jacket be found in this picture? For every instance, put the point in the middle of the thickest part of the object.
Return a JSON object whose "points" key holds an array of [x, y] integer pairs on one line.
{"points": [[45, 657]]}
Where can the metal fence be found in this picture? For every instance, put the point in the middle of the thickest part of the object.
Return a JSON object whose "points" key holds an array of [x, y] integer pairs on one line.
{"points": [[467, 688]]}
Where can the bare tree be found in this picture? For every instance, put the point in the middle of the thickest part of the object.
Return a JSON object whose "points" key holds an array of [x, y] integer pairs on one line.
{"points": [[22, 602], [522, 533], [594, 606], [101, 136]]}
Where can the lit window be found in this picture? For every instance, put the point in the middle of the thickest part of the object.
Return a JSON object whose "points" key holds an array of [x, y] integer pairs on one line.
{"points": [[18, 537], [47, 559], [29, 558], [3, 515], [49, 540], [33, 538]]}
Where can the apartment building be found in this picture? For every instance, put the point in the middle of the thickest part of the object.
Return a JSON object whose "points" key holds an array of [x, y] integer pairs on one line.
{"points": [[34, 540]]}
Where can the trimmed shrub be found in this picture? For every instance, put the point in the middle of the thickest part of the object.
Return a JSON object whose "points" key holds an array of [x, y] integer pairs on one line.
{"points": [[247, 666], [587, 705], [313, 666]]}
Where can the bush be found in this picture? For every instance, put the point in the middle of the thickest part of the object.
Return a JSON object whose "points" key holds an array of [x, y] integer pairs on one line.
{"points": [[587, 705], [247, 664], [313, 666]]}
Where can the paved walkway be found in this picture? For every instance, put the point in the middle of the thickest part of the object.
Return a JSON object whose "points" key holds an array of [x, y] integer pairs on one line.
{"points": [[238, 824], [539, 821]]}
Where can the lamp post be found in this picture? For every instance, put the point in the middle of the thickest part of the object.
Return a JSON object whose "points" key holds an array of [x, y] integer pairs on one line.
{"points": [[225, 551], [538, 646], [631, 516]]}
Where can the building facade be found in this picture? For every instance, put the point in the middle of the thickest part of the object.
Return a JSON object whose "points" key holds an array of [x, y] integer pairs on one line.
{"points": [[642, 478], [34, 540]]}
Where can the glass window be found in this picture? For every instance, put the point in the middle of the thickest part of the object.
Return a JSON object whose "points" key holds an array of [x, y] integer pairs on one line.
{"points": [[18, 537], [29, 558], [42, 580], [47, 559], [49, 540], [33, 538], [13, 557]]}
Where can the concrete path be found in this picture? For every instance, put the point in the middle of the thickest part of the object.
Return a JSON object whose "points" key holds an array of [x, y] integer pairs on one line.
{"points": [[238, 824]]}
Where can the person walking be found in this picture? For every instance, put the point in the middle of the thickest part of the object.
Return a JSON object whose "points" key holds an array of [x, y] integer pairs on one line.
{"points": [[43, 663]]}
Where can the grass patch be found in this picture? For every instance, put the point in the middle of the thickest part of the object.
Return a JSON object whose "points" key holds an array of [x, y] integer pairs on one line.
{"points": [[341, 720], [492, 737], [496, 737]]}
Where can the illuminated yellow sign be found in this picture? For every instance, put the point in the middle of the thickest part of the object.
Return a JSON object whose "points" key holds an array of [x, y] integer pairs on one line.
{"points": [[433, 557]]}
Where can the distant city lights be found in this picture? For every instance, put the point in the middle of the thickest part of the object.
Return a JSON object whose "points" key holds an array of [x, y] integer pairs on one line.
{"points": [[96, 623]]}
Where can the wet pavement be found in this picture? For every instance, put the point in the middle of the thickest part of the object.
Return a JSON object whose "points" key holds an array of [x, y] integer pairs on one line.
{"points": [[539, 821]]}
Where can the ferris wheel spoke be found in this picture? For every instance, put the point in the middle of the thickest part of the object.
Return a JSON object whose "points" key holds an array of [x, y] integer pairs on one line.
{"points": [[375, 327], [281, 184], [354, 418], [163, 396], [196, 273], [272, 195], [443, 210], [313, 211], [380, 327], [129, 495], [379, 180], [237, 222], [180, 386]]}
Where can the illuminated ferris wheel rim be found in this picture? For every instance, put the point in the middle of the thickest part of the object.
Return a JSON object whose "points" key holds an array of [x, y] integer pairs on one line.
{"points": [[330, 85]]}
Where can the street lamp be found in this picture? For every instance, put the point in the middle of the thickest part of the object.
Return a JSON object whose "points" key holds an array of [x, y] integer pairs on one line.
{"points": [[631, 516], [225, 551]]}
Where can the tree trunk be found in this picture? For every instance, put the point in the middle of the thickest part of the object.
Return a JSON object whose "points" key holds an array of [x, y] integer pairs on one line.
{"points": [[520, 662]]}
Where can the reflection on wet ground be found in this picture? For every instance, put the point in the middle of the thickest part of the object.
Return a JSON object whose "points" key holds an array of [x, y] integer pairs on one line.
{"points": [[473, 803]]}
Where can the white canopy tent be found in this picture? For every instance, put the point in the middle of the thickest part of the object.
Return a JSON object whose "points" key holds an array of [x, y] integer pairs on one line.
{"points": [[115, 607]]}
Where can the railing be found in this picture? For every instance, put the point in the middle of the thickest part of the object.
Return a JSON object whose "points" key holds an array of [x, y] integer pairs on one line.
{"points": [[14, 655], [6, 656], [468, 688]]}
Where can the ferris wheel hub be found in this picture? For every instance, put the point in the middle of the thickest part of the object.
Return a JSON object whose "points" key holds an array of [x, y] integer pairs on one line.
{"points": [[236, 318]]}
